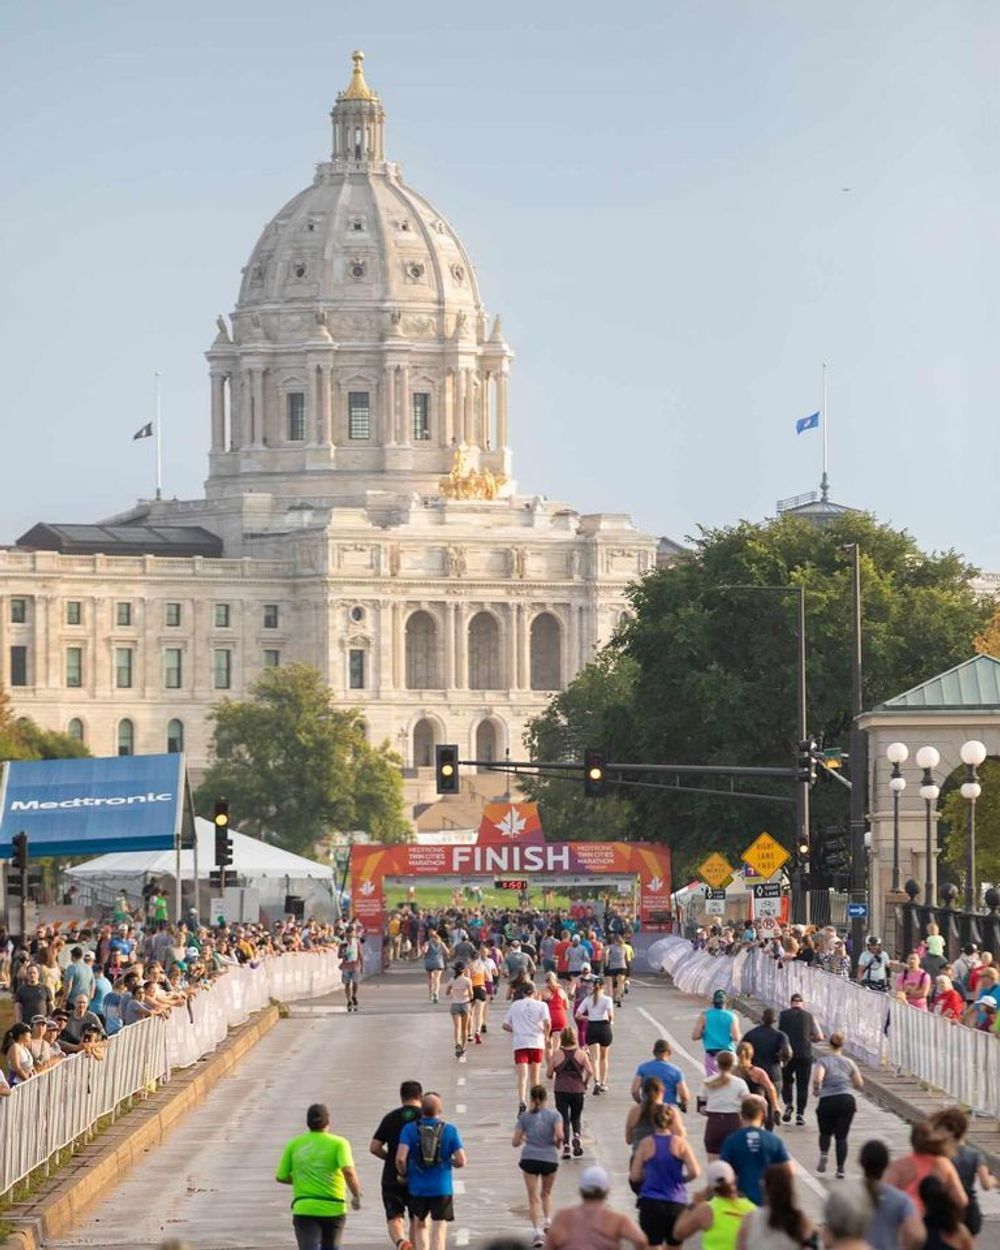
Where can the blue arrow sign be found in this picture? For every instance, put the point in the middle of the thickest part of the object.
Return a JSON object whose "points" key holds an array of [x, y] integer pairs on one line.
{"points": [[857, 911]]}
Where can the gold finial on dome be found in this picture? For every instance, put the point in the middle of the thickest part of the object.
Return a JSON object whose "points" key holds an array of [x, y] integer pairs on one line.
{"points": [[357, 88]]}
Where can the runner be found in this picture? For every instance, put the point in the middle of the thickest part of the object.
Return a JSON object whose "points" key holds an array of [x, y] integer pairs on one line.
{"points": [[561, 951], [662, 1165], [539, 1133], [429, 1149], [435, 956], [554, 997], [576, 960], [721, 1098], [718, 1210], [832, 1080], [596, 954], [592, 1225], [570, 1066], [616, 965], [801, 1030], [477, 975], [459, 990], [492, 981], [639, 1121], [547, 950], [758, 1082], [320, 1169], [675, 1090], [629, 960], [580, 990], [718, 1030], [350, 966], [599, 1012], [528, 1020], [384, 1143]]}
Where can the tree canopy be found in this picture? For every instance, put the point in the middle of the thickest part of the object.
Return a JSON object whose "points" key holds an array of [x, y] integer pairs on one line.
{"points": [[955, 820], [294, 766], [22, 739], [705, 672]]}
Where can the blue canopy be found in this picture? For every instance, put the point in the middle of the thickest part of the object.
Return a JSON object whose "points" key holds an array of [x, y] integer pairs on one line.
{"points": [[89, 806]]}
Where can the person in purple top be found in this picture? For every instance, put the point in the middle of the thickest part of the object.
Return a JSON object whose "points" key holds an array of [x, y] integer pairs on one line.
{"points": [[662, 1166]]}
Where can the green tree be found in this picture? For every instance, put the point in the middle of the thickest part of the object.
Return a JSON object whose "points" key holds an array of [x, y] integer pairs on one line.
{"points": [[715, 672], [583, 715], [293, 765], [22, 739], [955, 820]]}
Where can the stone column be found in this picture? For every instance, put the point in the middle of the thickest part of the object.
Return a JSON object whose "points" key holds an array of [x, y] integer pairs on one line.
{"points": [[501, 383], [524, 647], [218, 411], [257, 423], [483, 416], [389, 402], [449, 646], [398, 647], [462, 649], [458, 407], [323, 434], [315, 392], [511, 675], [403, 402]]}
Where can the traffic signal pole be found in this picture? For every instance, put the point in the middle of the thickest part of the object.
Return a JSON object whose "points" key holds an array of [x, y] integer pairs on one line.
{"points": [[859, 768], [22, 863]]}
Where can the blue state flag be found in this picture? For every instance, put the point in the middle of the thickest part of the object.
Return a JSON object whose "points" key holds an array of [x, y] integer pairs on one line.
{"points": [[807, 423]]}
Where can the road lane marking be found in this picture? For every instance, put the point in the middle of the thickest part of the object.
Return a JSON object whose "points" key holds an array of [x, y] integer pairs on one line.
{"points": [[459, 1187], [462, 1237], [678, 1049], [459, 1108], [461, 1080]]}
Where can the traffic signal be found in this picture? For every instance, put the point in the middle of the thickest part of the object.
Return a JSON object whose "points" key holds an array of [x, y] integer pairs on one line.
{"points": [[223, 842], [446, 769], [594, 774], [805, 762], [20, 857], [13, 881], [803, 848], [218, 878], [834, 847]]}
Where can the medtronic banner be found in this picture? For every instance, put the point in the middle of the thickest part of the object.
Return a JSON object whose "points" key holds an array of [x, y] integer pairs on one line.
{"points": [[89, 806]]}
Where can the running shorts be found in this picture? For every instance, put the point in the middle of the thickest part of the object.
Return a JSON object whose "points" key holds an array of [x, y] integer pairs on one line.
{"points": [[479, 993], [527, 1054], [538, 1167], [460, 1009], [599, 1033], [657, 1219], [440, 1207], [350, 976], [396, 1201]]}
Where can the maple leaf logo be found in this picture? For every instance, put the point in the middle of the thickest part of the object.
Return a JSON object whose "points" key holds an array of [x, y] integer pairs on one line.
{"points": [[512, 825], [367, 887], [655, 885]]}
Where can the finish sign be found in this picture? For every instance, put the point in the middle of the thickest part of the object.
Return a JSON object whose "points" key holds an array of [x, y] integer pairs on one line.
{"points": [[766, 856], [716, 870]]}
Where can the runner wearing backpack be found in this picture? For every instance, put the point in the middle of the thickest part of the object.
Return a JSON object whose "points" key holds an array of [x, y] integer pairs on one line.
{"points": [[429, 1149]]}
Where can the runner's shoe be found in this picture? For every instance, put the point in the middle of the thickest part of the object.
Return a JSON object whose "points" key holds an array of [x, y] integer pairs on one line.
{"points": [[479, 1040], [786, 1115], [821, 1165], [577, 1148], [800, 1120], [565, 1152]]}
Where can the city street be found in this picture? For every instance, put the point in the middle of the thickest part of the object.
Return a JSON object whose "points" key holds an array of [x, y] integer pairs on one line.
{"points": [[212, 1183]]}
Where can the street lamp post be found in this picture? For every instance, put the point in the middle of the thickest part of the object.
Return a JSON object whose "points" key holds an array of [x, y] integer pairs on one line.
{"points": [[897, 754], [928, 758], [973, 754]]}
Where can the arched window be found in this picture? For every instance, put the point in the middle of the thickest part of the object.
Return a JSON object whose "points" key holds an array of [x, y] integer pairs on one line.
{"points": [[175, 737], [487, 747], [75, 729], [423, 744], [546, 653], [423, 670], [126, 737], [484, 652]]}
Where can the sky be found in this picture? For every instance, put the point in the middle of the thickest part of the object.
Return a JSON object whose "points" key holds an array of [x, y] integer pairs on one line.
{"points": [[680, 208]]}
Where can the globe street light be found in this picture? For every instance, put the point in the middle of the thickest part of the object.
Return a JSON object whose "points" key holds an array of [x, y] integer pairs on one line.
{"points": [[973, 753], [928, 758], [897, 754]]}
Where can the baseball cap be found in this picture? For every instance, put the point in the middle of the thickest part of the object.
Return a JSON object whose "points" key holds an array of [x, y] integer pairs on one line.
{"points": [[37, 1020], [594, 1180], [796, 997], [192, 952], [719, 1173], [576, 937], [988, 1003], [873, 940], [88, 957], [718, 998]]}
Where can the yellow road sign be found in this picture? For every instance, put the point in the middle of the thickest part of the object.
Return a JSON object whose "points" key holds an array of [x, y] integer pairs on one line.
{"points": [[765, 855], [716, 870]]}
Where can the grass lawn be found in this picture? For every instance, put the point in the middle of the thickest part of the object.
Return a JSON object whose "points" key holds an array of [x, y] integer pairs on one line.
{"points": [[437, 896]]}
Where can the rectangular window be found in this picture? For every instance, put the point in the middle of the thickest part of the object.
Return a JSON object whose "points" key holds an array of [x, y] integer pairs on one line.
{"points": [[272, 658], [123, 614], [222, 616], [74, 666], [357, 673], [421, 416], [18, 612], [172, 668], [19, 666], [359, 415], [172, 615], [270, 616], [73, 613], [295, 411], [222, 668], [123, 668]]}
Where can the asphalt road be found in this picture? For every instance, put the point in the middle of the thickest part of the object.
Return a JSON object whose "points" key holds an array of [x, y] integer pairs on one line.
{"points": [[212, 1182]]}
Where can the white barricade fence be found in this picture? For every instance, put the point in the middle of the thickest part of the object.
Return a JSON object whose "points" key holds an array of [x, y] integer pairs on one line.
{"points": [[878, 1028], [56, 1107]]}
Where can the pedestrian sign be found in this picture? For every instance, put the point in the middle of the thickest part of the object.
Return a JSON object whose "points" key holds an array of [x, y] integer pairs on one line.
{"points": [[716, 870], [765, 855], [857, 911]]}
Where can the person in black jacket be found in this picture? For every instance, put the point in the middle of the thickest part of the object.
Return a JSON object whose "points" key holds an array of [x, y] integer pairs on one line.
{"points": [[771, 1048], [801, 1030]]}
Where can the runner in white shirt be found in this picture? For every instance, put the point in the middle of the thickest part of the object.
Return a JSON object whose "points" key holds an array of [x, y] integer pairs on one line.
{"points": [[599, 1011], [528, 1020]]}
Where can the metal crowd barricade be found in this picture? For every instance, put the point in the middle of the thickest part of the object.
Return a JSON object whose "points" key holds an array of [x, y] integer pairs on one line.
{"points": [[61, 1105]]}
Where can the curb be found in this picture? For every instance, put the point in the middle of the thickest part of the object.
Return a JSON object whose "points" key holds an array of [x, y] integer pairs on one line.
{"points": [[60, 1206], [904, 1096]]}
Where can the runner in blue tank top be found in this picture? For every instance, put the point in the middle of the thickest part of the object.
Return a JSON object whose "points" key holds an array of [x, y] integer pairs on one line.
{"points": [[663, 1164], [718, 1029]]}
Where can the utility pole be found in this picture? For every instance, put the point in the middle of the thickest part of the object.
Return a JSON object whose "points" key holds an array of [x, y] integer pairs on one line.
{"points": [[859, 767], [802, 788]]}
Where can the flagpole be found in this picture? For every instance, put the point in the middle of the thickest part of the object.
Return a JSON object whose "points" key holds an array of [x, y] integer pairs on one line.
{"points": [[824, 485], [159, 448]]}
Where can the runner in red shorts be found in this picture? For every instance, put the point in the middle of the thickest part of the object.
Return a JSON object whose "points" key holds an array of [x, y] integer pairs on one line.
{"points": [[554, 997], [528, 1020]]}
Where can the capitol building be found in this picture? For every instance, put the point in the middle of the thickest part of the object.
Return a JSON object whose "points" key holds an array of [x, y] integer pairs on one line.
{"points": [[360, 513]]}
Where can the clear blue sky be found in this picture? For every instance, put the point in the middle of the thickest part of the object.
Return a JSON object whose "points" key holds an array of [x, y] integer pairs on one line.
{"points": [[652, 194]]}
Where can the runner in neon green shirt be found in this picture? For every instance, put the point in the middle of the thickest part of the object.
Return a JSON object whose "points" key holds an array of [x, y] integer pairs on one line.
{"points": [[319, 1167]]}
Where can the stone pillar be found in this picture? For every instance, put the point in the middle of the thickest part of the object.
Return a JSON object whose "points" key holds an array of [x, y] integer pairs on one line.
{"points": [[399, 647], [449, 646], [523, 647], [389, 403], [257, 421], [511, 675], [483, 416], [323, 433], [218, 411], [458, 407], [462, 648], [501, 384], [403, 400]]}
